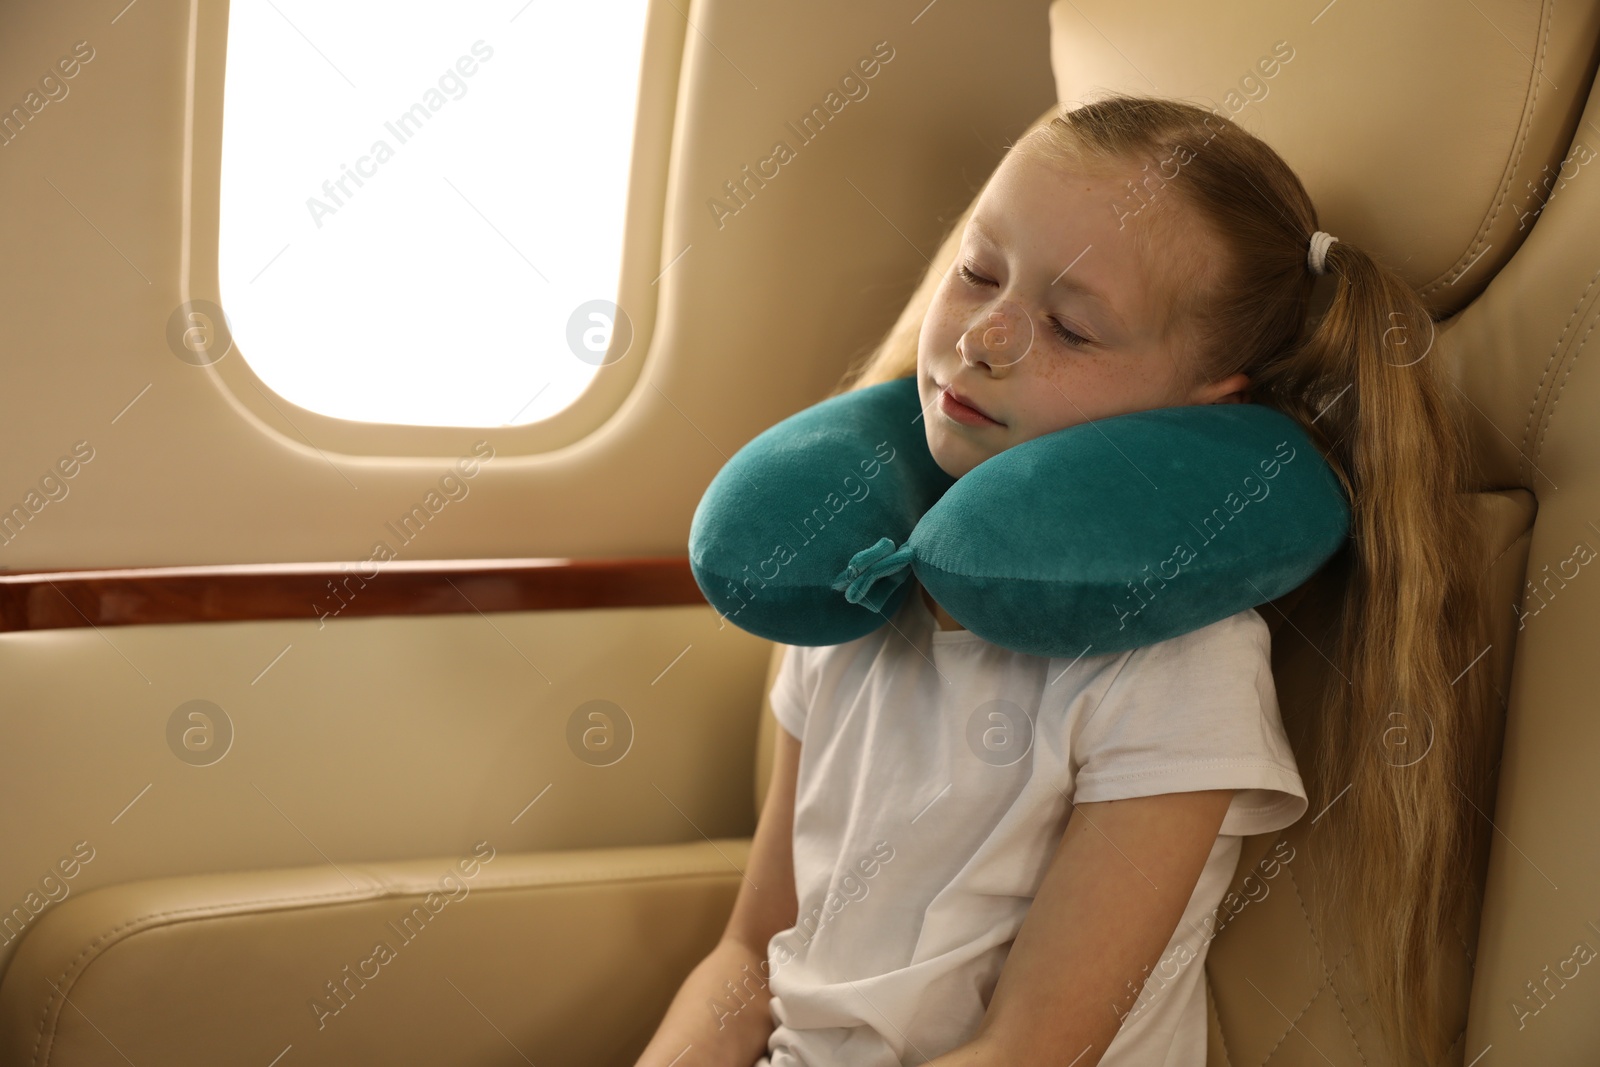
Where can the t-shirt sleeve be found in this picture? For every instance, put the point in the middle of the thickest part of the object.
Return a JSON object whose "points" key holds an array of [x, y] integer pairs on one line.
{"points": [[791, 695], [1197, 711]]}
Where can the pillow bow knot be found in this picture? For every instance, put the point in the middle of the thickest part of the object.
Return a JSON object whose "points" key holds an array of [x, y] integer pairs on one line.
{"points": [[882, 560]]}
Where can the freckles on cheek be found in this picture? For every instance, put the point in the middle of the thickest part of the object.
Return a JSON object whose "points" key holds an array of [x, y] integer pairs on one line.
{"points": [[1057, 374], [1069, 391]]}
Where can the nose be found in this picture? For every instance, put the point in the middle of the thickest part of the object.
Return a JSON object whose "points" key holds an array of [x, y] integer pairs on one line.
{"points": [[1000, 337]]}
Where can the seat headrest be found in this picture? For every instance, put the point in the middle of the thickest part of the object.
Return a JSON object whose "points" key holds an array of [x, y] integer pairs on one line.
{"points": [[1338, 90]]}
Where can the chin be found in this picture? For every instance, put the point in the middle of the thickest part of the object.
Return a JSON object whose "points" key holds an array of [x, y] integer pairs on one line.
{"points": [[954, 461]]}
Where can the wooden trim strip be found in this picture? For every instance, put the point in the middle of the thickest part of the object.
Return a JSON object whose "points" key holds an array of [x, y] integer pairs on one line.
{"points": [[51, 600]]}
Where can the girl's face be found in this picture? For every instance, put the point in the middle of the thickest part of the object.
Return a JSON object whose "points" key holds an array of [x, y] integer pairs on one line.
{"points": [[1053, 316]]}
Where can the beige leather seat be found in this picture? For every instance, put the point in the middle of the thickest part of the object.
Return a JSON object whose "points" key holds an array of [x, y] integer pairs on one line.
{"points": [[1456, 140]]}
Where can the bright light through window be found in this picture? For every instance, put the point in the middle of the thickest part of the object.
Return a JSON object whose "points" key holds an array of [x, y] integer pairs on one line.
{"points": [[422, 203]]}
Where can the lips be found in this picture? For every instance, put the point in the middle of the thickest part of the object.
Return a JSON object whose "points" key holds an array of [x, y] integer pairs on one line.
{"points": [[966, 402]]}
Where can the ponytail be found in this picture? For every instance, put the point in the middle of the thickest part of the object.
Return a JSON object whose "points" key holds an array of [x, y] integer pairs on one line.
{"points": [[1399, 745]]}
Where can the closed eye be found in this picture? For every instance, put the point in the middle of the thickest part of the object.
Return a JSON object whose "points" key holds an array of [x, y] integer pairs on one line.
{"points": [[970, 277], [1067, 336]]}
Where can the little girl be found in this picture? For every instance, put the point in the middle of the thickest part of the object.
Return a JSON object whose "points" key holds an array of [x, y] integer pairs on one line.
{"points": [[970, 856]]}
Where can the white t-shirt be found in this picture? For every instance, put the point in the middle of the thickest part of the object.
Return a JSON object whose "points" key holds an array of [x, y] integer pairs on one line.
{"points": [[934, 780]]}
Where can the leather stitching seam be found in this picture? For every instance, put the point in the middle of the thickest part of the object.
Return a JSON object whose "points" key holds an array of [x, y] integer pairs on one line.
{"points": [[1227, 1057], [146, 920], [1550, 414], [1469, 257], [377, 892], [1290, 1029], [1315, 993], [1328, 974], [1555, 350]]}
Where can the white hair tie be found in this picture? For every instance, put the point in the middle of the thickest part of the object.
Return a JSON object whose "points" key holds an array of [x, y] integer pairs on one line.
{"points": [[1317, 256]]}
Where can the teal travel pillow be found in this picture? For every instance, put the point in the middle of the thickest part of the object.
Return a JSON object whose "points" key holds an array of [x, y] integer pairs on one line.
{"points": [[1098, 538]]}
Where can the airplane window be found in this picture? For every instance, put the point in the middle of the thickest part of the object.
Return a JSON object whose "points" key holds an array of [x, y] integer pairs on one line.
{"points": [[422, 203]]}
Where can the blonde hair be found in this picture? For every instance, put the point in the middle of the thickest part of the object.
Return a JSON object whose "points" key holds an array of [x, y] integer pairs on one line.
{"points": [[1402, 836]]}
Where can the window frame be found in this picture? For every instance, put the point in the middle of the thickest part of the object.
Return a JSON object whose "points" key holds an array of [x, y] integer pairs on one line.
{"points": [[638, 290]]}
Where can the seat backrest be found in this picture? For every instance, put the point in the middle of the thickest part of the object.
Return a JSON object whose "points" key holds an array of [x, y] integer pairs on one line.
{"points": [[1451, 142]]}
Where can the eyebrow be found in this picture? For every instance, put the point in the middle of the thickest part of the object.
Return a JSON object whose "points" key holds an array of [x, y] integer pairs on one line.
{"points": [[1069, 284]]}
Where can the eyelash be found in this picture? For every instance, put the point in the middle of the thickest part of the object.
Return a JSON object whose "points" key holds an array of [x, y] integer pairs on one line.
{"points": [[1066, 335]]}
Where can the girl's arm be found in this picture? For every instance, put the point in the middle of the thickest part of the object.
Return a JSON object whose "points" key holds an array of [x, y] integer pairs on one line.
{"points": [[1106, 909], [705, 1023]]}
